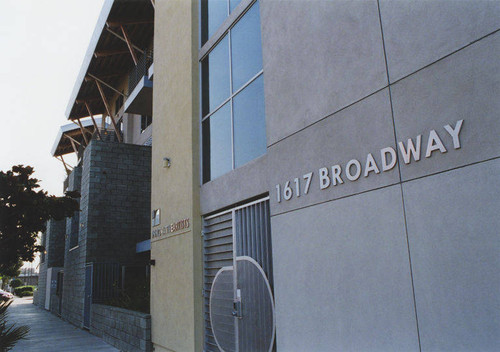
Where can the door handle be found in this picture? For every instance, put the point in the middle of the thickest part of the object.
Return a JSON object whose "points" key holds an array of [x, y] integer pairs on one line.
{"points": [[237, 309]]}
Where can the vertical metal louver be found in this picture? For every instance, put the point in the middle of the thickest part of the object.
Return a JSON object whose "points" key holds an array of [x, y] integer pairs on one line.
{"points": [[221, 309], [253, 235], [239, 307], [217, 253]]}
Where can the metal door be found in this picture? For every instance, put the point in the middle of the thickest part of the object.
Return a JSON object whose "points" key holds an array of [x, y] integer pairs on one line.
{"points": [[87, 302], [240, 304]]}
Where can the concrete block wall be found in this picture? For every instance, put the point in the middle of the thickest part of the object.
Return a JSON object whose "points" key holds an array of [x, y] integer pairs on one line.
{"points": [[125, 329], [74, 265], [54, 239], [39, 294], [114, 181], [115, 204], [397, 260], [55, 242], [55, 300]]}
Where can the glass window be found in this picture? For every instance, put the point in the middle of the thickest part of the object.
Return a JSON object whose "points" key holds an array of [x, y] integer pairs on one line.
{"points": [[213, 14], [233, 4], [249, 123], [235, 133], [216, 82], [217, 151], [217, 13], [246, 48]]}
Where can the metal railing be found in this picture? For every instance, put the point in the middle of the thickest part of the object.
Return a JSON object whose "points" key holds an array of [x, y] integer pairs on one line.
{"points": [[140, 70], [106, 281]]}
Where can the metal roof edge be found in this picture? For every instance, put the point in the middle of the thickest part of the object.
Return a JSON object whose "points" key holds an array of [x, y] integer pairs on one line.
{"points": [[56, 142], [71, 127], [101, 22]]}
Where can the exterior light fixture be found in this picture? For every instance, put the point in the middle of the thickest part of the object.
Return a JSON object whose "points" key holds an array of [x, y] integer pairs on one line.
{"points": [[166, 162]]}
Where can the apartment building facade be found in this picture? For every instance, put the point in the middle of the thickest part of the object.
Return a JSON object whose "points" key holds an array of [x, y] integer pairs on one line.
{"points": [[331, 180], [103, 281], [322, 177]]}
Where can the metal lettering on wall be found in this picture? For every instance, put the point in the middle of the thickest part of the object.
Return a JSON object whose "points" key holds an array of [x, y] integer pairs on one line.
{"points": [[171, 228], [353, 169]]}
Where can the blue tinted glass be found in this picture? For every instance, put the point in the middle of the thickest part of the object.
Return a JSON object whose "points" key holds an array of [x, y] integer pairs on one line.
{"points": [[217, 13], [219, 155], [246, 47], [233, 4], [249, 123], [216, 74]]}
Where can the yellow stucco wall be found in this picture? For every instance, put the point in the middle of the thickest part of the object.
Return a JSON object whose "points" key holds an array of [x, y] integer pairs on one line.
{"points": [[176, 300]]}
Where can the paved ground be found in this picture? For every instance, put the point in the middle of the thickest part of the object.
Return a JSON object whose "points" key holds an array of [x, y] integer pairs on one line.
{"points": [[49, 333]]}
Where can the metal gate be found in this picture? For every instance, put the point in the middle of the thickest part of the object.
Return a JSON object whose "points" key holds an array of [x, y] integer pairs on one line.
{"points": [[239, 305]]}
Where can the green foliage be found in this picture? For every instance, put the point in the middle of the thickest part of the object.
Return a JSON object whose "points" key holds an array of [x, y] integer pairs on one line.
{"points": [[24, 211], [15, 283], [22, 291], [9, 271], [9, 335]]}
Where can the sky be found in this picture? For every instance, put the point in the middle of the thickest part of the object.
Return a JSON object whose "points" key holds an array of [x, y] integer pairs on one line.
{"points": [[42, 46]]}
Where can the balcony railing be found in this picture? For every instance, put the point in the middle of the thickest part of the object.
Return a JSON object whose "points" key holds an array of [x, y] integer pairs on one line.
{"points": [[140, 70]]}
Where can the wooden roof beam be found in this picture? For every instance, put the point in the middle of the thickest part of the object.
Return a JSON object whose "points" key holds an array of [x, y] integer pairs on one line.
{"points": [[93, 120], [106, 84], [83, 131], [75, 149], [105, 101], [71, 139], [129, 21], [120, 37], [105, 53], [68, 168], [87, 100], [129, 44]]}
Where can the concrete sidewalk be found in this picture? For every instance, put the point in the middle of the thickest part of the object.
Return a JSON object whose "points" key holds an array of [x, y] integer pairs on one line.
{"points": [[49, 333]]}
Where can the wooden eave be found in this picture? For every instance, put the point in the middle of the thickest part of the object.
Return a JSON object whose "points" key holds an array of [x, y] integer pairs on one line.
{"points": [[109, 57], [70, 135]]}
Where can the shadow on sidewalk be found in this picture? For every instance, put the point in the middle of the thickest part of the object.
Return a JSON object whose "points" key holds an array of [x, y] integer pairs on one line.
{"points": [[50, 333]]}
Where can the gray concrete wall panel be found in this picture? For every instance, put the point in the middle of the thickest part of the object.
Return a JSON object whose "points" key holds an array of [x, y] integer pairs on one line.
{"points": [[353, 252], [353, 133], [314, 65], [454, 240], [417, 33], [465, 85], [227, 189]]}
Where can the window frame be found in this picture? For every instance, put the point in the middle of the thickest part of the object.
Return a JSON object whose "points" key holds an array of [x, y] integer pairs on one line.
{"points": [[224, 30]]}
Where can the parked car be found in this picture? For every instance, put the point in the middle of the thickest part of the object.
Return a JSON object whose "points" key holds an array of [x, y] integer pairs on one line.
{"points": [[4, 295]]}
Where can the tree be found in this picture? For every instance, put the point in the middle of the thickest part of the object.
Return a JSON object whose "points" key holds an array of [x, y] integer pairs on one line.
{"points": [[9, 271], [15, 283], [24, 211]]}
